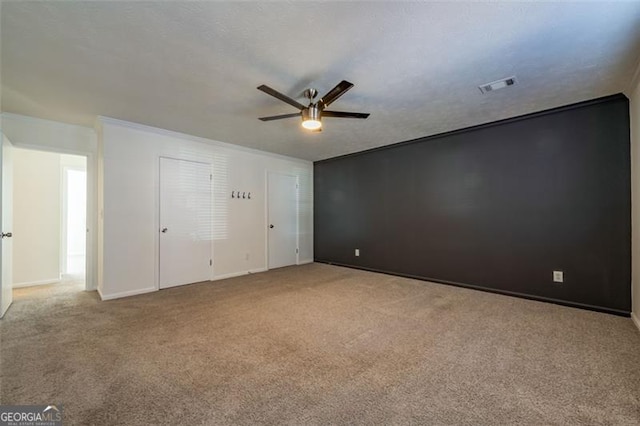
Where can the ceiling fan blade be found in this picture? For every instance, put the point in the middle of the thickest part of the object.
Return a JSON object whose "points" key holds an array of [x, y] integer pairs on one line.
{"points": [[344, 114], [284, 98], [279, 117], [336, 92]]}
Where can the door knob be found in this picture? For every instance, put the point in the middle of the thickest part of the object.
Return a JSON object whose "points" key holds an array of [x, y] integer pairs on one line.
{"points": [[7, 235], [164, 230], [270, 226]]}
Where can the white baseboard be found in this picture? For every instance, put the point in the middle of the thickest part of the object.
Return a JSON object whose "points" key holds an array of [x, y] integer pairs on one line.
{"points": [[35, 283], [635, 319], [238, 274], [215, 278], [253, 271], [126, 293]]}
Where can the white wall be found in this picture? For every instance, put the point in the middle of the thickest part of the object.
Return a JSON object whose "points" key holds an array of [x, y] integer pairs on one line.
{"points": [[129, 166], [634, 111], [36, 217], [46, 135]]}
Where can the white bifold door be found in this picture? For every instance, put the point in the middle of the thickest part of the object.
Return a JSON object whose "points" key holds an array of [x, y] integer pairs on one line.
{"points": [[185, 222], [6, 222], [282, 207]]}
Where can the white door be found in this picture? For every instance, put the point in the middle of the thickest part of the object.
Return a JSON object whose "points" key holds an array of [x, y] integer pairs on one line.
{"points": [[6, 223], [185, 222], [282, 207]]}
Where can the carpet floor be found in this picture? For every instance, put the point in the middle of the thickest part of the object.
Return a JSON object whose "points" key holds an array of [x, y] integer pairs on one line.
{"points": [[318, 344]]}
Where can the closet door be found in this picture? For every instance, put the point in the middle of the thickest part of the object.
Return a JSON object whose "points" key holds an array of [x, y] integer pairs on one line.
{"points": [[282, 207], [185, 222]]}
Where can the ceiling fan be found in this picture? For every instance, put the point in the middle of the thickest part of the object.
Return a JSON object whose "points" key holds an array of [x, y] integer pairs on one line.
{"points": [[313, 113]]}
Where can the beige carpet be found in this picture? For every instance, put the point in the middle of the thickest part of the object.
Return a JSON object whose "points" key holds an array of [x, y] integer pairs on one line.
{"points": [[319, 344]]}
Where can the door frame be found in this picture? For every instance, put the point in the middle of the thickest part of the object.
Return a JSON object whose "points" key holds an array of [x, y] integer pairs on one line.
{"points": [[91, 250], [266, 214], [157, 216]]}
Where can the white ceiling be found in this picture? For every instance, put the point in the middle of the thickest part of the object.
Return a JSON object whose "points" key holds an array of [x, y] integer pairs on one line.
{"points": [[193, 67]]}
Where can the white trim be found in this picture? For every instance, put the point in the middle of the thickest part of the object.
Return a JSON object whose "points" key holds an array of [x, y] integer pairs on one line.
{"points": [[92, 223], [35, 283], [156, 218], [212, 269], [266, 219], [125, 293], [635, 319], [305, 262], [179, 135], [239, 274], [297, 220], [62, 258]]}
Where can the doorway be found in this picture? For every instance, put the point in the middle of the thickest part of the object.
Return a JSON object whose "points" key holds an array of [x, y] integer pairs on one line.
{"points": [[282, 217], [74, 222], [49, 219]]}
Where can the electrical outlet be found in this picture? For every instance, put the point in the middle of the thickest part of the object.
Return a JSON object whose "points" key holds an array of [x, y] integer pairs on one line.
{"points": [[357, 252], [558, 276]]}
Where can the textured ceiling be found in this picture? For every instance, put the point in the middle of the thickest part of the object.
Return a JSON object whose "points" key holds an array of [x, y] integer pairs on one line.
{"points": [[194, 67]]}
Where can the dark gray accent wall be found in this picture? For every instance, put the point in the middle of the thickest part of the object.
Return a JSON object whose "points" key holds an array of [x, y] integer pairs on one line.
{"points": [[497, 207]]}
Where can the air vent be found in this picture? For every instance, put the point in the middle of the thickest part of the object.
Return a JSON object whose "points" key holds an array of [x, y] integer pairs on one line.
{"points": [[497, 85]]}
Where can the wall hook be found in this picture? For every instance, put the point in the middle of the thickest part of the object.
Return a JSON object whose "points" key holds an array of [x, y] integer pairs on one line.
{"points": [[244, 195], [233, 194], [249, 196]]}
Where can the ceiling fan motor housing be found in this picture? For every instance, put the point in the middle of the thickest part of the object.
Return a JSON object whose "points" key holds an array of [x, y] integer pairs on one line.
{"points": [[311, 113]]}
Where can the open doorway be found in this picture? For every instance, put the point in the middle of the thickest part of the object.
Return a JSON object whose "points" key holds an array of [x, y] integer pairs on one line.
{"points": [[74, 221], [49, 211]]}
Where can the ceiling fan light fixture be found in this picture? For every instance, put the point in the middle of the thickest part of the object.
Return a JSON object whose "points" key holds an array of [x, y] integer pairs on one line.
{"points": [[311, 118], [312, 124]]}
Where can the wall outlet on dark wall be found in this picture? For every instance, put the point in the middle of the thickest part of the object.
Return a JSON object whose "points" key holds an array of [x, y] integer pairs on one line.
{"points": [[558, 276]]}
